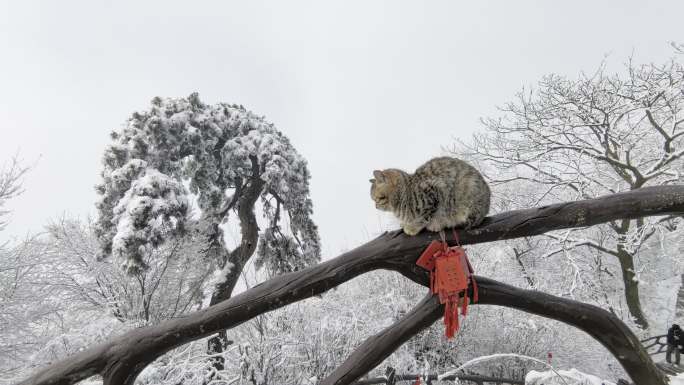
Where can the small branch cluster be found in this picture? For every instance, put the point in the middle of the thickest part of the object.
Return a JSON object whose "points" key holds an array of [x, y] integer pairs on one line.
{"points": [[10, 185]]}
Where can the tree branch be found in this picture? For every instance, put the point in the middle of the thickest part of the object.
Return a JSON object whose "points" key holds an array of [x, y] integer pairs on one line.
{"points": [[378, 347], [249, 231], [602, 325], [122, 358]]}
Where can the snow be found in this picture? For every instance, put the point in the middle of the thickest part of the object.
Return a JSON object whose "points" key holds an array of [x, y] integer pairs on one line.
{"points": [[490, 357], [548, 377], [218, 277], [153, 205], [662, 300], [678, 380], [563, 377]]}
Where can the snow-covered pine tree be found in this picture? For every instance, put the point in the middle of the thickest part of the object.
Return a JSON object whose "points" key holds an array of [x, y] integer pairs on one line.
{"points": [[225, 157]]}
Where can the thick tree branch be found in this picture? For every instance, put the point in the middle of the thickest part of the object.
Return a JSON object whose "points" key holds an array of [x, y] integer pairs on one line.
{"points": [[129, 353], [378, 347], [602, 325]]}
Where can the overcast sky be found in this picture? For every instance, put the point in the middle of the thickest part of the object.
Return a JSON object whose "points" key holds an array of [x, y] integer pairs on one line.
{"points": [[356, 85]]}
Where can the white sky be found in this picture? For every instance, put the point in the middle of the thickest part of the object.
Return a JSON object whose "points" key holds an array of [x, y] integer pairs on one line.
{"points": [[356, 85]]}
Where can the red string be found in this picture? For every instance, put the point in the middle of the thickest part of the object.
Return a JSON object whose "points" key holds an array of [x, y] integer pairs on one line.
{"points": [[458, 242]]}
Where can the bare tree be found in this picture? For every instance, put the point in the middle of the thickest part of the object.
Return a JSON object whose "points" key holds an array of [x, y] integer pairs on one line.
{"points": [[23, 303], [598, 134], [171, 285], [26, 307], [10, 185]]}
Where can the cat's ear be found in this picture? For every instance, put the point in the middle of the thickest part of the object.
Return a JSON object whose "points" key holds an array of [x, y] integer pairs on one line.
{"points": [[379, 175]]}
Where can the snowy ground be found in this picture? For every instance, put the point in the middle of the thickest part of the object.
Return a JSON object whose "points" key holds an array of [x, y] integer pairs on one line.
{"points": [[563, 377], [575, 377], [679, 380], [662, 299]]}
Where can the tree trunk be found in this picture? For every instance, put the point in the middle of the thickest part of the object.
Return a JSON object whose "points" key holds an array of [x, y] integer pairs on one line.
{"points": [[631, 287], [249, 230]]}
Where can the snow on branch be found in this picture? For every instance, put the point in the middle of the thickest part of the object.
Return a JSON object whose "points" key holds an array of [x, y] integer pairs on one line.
{"points": [[10, 185]]}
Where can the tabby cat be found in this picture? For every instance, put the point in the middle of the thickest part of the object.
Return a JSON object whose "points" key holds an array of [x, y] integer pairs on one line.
{"points": [[444, 192]]}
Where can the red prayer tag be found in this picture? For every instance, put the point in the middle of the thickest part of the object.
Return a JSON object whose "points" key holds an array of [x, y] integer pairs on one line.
{"points": [[450, 274], [427, 259]]}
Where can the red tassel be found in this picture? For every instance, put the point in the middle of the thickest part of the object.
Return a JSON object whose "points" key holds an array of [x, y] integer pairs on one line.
{"points": [[450, 275], [451, 316], [464, 308]]}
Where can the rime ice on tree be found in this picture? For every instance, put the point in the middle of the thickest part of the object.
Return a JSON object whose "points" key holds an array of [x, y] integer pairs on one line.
{"points": [[226, 156]]}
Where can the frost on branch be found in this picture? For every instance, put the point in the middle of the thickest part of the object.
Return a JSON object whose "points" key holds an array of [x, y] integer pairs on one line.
{"points": [[568, 139], [182, 149]]}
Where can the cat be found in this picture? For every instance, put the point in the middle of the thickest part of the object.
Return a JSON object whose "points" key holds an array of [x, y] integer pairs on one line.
{"points": [[444, 192]]}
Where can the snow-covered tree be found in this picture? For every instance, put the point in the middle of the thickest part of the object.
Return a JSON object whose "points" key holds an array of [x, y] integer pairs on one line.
{"points": [[229, 158], [171, 286], [10, 185], [577, 139], [225, 158], [26, 309]]}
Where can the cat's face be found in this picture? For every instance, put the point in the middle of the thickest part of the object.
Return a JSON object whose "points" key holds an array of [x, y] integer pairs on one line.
{"points": [[383, 186]]}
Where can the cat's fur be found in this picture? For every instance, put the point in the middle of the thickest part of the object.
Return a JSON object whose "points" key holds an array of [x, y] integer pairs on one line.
{"points": [[444, 192]]}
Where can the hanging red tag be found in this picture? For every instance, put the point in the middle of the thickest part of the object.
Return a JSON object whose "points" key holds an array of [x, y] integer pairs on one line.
{"points": [[450, 275], [427, 259]]}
